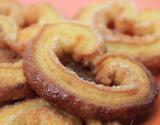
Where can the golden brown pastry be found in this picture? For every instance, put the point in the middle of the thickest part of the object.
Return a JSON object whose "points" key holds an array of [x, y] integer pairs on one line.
{"points": [[13, 84], [24, 37], [14, 10], [12, 81], [126, 30], [35, 112], [119, 88], [8, 31], [36, 16]]}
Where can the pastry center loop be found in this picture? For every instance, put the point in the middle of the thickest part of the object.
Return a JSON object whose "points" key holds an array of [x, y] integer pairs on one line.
{"points": [[122, 24], [82, 71], [88, 73], [8, 56], [126, 29]]}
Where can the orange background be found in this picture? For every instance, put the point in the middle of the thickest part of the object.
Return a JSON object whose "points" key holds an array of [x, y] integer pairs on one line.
{"points": [[70, 7]]}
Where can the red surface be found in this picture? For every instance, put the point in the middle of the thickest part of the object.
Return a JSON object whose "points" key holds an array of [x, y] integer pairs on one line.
{"points": [[70, 7]]}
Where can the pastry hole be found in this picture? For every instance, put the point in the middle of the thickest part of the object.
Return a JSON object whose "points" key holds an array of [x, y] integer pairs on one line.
{"points": [[84, 72], [112, 26], [28, 24], [128, 32], [87, 72], [8, 56]]}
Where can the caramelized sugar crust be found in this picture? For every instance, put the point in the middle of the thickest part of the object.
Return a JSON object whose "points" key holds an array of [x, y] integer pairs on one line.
{"points": [[121, 85]]}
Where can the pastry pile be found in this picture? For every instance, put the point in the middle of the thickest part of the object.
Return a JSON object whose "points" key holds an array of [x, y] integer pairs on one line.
{"points": [[93, 70]]}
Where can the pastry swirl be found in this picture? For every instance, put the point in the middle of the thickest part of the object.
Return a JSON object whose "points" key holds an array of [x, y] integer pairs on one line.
{"points": [[13, 10], [12, 81], [121, 85], [126, 30], [35, 112], [36, 16], [13, 85]]}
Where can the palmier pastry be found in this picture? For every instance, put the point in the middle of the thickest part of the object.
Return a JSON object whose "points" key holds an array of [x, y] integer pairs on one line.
{"points": [[121, 88], [8, 31], [36, 16], [126, 30], [14, 10], [12, 81], [35, 112]]}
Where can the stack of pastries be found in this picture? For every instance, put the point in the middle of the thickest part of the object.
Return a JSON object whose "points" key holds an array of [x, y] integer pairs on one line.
{"points": [[95, 69]]}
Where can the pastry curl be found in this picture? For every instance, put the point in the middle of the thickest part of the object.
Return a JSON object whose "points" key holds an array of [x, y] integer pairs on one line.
{"points": [[13, 84], [14, 10], [35, 112], [8, 31], [24, 37], [12, 81], [36, 16], [126, 30], [120, 85]]}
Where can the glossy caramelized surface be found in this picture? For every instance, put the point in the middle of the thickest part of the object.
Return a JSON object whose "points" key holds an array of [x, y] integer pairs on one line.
{"points": [[122, 84]]}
